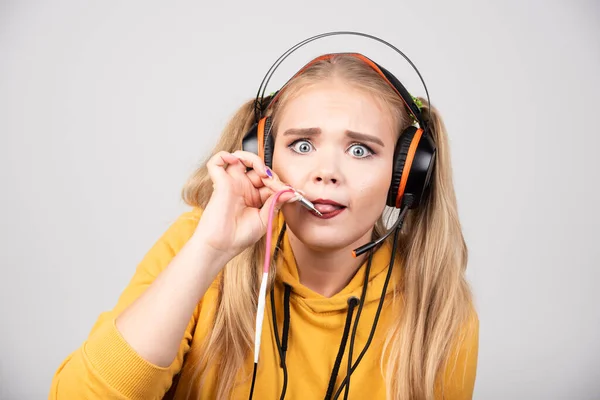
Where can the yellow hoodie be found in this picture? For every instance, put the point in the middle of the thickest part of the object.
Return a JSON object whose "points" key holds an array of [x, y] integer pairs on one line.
{"points": [[106, 367]]}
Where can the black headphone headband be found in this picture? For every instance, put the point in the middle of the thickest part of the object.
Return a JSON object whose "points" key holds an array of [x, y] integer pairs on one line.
{"points": [[413, 108]]}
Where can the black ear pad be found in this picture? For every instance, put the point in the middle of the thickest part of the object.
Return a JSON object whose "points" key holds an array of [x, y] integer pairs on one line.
{"points": [[269, 143], [421, 171], [400, 154], [418, 173], [252, 140]]}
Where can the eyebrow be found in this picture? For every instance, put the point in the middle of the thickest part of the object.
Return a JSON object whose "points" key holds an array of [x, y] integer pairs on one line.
{"points": [[316, 131]]}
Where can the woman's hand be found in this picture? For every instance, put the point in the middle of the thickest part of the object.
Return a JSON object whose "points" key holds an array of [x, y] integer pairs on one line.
{"points": [[237, 213]]}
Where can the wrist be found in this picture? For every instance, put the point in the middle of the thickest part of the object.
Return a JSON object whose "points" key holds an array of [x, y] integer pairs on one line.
{"points": [[213, 258]]}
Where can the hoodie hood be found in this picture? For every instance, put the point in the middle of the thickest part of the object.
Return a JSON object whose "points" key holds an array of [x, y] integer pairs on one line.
{"points": [[287, 272]]}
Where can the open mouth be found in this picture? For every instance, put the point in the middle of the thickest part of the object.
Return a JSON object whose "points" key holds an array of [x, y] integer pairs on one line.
{"points": [[328, 208]]}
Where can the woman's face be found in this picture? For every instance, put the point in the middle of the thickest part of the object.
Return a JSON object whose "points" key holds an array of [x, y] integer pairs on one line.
{"points": [[335, 143]]}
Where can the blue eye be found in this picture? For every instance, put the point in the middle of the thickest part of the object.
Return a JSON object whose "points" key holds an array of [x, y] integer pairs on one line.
{"points": [[360, 150], [301, 146]]}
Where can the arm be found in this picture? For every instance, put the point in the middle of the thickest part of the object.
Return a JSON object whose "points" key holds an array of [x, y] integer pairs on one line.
{"points": [[134, 350]]}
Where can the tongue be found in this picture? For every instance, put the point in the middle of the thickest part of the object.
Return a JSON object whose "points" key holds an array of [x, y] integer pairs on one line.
{"points": [[326, 208]]}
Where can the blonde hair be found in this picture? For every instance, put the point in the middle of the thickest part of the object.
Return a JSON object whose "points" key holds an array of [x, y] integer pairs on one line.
{"points": [[435, 297]]}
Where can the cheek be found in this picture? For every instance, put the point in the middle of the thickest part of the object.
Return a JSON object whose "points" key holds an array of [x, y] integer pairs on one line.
{"points": [[371, 191], [369, 184], [283, 167], [291, 169], [371, 175]]}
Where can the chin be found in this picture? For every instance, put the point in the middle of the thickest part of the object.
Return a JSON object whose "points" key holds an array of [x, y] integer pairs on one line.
{"points": [[316, 242], [321, 235]]}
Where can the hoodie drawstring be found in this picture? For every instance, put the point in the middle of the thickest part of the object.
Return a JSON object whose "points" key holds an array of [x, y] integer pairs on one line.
{"points": [[286, 320], [282, 345], [352, 302]]}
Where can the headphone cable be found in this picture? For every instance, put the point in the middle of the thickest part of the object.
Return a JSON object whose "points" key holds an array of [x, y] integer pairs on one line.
{"points": [[358, 313], [262, 292], [396, 230], [262, 297]]}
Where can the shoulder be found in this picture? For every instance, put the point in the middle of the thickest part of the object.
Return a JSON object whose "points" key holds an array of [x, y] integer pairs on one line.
{"points": [[181, 229], [177, 233], [187, 219], [461, 366], [466, 345]]}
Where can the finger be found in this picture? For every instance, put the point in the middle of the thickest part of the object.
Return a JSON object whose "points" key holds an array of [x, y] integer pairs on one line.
{"points": [[253, 161], [256, 180], [217, 163], [293, 199], [266, 192], [248, 183], [237, 169], [275, 184], [266, 208]]}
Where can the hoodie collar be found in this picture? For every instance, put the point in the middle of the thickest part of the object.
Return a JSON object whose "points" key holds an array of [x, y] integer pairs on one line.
{"points": [[287, 272]]}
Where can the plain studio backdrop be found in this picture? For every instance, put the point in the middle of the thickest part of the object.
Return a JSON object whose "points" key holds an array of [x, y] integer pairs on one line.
{"points": [[107, 107]]}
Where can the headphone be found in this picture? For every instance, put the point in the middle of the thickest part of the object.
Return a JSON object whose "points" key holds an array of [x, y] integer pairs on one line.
{"points": [[415, 151]]}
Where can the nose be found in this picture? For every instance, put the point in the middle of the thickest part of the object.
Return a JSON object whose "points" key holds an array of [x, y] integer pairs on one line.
{"points": [[326, 170], [325, 177]]}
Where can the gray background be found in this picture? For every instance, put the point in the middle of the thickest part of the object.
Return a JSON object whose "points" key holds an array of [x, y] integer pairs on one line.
{"points": [[106, 107]]}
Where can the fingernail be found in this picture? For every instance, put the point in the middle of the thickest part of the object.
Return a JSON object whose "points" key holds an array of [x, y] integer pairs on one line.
{"points": [[269, 173]]}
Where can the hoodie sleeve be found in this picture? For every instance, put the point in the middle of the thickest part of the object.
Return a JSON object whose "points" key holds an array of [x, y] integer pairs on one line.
{"points": [[461, 370], [105, 366]]}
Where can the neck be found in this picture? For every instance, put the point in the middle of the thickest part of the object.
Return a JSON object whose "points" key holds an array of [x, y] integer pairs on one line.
{"points": [[326, 271]]}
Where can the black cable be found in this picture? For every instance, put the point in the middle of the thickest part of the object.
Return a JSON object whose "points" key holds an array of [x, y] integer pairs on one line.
{"points": [[258, 104], [280, 346], [285, 381], [352, 302], [253, 382], [274, 316], [368, 246], [282, 363], [286, 320], [379, 307], [363, 295]]}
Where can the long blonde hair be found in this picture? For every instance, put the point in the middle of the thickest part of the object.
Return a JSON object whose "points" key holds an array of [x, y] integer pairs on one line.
{"points": [[435, 297]]}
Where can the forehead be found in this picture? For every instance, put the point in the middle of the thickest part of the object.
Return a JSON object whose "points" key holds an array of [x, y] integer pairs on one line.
{"points": [[336, 106]]}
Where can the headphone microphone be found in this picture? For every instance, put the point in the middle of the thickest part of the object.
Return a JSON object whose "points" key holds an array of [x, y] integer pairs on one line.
{"points": [[397, 225]]}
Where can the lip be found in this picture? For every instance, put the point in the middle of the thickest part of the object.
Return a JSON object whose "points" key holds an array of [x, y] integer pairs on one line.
{"points": [[331, 214], [327, 215], [327, 201]]}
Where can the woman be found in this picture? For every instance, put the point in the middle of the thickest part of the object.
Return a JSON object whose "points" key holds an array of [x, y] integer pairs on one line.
{"points": [[184, 326]]}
